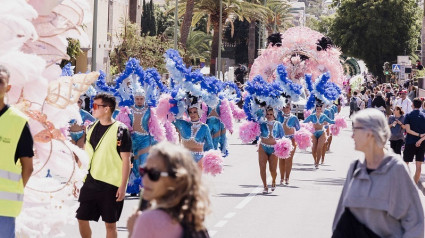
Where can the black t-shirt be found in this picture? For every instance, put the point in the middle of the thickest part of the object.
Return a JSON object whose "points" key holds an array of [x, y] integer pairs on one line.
{"points": [[25, 143], [125, 146], [388, 98]]}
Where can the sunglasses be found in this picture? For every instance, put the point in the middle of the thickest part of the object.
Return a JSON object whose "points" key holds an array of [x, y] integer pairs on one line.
{"points": [[96, 106], [154, 174]]}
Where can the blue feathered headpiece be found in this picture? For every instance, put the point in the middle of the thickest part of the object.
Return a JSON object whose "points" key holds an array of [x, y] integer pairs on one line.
{"points": [[290, 89], [68, 70], [321, 91], [230, 91]]}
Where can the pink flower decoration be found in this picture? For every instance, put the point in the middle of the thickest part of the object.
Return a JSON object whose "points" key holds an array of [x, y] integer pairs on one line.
{"points": [[249, 131], [283, 148], [303, 138], [212, 162]]}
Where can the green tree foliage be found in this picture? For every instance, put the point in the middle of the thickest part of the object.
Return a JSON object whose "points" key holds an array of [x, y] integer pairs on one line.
{"points": [[148, 19], [148, 49], [376, 31], [73, 50]]}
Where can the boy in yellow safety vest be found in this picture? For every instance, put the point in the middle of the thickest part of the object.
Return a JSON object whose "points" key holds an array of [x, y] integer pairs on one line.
{"points": [[108, 145], [16, 143]]}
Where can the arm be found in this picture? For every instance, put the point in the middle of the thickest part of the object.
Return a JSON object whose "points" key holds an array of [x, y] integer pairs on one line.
{"points": [[294, 123], [27, 168], [309, 119], [410, 131], [328, 120], [208, 139], [125, 156]]}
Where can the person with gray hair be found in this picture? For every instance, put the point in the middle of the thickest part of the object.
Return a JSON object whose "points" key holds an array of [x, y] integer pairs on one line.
{"points": [[379, 198]]}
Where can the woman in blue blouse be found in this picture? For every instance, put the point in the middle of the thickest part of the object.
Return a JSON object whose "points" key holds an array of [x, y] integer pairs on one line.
{"points": [[195, 135], [271, 130], [319, 120]]}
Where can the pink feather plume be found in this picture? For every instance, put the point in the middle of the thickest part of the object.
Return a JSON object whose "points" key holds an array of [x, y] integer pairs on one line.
{"points": [[249, 131], [155, 127], [171, 132], [238, 113], [309, 126], [335, 130], [212, 162], [123, 117], [307, 113], [303, 138], [226, 115], [340, 122], [163, 108], [283, 148], [204, 113]]}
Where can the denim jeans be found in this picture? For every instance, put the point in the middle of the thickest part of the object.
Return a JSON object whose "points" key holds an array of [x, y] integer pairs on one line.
{"points": [[7, 227]]}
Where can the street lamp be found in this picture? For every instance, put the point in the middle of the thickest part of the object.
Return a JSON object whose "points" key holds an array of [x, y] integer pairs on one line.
{"points": [[175, 24], [94, 39], [220, 29]]}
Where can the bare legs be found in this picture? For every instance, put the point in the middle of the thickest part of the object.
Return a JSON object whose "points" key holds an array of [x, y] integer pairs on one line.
{"points": [[85, 231], [285, 165], [263, 158], [418, 172], [317, 148]]}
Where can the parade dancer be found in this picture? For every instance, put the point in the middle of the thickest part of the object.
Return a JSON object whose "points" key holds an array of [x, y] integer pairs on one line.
{"points": [[321, 92], [77, 130], [290, 124]]}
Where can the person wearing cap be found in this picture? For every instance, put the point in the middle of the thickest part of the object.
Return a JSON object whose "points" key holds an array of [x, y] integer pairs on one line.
{"points": [[404, 102]]}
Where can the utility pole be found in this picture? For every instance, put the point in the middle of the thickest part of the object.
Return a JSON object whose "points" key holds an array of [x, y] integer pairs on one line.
{"points": [[94, 40], [220, 30], [176, 24]]}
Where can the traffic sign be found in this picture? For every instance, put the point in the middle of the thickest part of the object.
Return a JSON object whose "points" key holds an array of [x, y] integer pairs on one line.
{"points": [[396, 68]]}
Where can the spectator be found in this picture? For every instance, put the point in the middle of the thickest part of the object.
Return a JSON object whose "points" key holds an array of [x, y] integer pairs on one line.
{"points": [[379, 102], [396, 122], [16, 144], [415, 128], [379, 198], [404, 102], [419, 65], [179, 200], [108, 144], [370, 100], [412, 92], [354, 103], [240, 73], [388, 97]]}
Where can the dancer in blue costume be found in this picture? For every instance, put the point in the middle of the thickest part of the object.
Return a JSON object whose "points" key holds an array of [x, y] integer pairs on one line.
{"points": [[217, 128], [195, 135], [319, 120], [290, 124], [76, 130], [271, 130], [142, 139]]}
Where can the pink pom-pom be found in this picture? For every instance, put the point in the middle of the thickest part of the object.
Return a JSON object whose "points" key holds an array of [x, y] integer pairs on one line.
{"points": [[309, 126], [303, 138], [65, 131], [335, 130], [249, 131], [87, 123], [171, 132], [238, 113], [340, 122], [283, 148], [124, 118], [163, 108], [155, 127], [226, 115], [204, 115], [307, 113], [212, 162]]}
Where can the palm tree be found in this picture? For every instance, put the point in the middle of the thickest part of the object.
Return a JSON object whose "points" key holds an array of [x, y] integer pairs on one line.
{"points": [[232, 9], [187, 22], [281, 19], [198, 45]]}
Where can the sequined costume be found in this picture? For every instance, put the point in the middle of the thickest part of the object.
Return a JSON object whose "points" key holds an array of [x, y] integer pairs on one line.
{"points": [[321, 120], [290, 121], [196, 133], [142, 141], [276, 133], [217, 129], [85, 116]]}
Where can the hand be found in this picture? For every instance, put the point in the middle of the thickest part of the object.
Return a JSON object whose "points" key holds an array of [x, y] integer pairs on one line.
{"points": [[75, 191], [418, 143], [120, 194], [421, 135], [131, 220]]}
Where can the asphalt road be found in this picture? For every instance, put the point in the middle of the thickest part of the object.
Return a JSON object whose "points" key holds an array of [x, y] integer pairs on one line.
{"points": [[304, 208]]}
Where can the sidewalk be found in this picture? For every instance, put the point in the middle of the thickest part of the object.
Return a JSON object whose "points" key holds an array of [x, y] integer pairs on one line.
{"points": [[421, 184]]}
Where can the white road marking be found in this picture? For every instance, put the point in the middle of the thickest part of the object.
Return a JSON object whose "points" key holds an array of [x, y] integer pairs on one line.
{"points": [[230, 215], [212, 233], [250, 196], [221, 223]]}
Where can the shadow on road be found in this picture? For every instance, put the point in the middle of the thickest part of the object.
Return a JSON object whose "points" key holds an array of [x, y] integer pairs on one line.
{"points": [[232, 195], [248, 186], [131, 198], [326, 181], [122, 228]]}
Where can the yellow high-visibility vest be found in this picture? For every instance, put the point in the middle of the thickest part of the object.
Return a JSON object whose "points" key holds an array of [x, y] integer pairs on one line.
{"points": [[105, 162], [12, 123]]}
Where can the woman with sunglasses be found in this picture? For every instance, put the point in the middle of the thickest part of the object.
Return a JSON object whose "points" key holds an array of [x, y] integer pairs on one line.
{"points": [[271, 130], [319, 120], [379, 197], [178, 199]]}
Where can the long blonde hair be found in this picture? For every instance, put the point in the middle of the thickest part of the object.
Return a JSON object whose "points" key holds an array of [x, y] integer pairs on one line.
{"points": [[187, 202]]}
